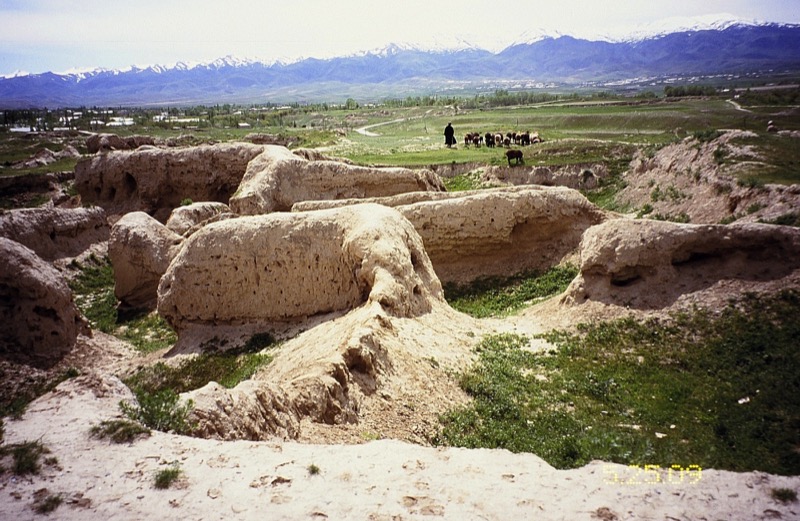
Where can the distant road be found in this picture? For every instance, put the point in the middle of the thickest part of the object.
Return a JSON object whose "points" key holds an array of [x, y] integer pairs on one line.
{"points": [[366, 132], [737, 106]]}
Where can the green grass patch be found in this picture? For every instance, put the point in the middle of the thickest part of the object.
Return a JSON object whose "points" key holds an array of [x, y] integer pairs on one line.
{"points": [[497, 297], [94, 295], [165, 478], [119, 431], [157, 387], [463, 182], [784, 495], [710, 389], [227, 368]]}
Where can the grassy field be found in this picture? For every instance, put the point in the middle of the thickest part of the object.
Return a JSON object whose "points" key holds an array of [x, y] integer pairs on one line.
{"points": [[698, 390]]}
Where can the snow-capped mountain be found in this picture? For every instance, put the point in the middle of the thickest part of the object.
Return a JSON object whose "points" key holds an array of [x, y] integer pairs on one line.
{"points": [[705, 46]]}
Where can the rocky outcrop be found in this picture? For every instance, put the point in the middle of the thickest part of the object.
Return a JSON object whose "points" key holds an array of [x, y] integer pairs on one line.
{"points": [[708, 181], [366, 370], [46, 157], [39, 322], [185, 218], [156, 180], [583, 177], [498, 232], [55, 233], [649, 264], [106, 142], [287, 267], [140, 249], [278, 178]]}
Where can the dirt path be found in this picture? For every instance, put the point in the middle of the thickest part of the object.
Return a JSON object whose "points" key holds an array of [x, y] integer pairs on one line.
{"points": [[366, 132], [737, 106]]}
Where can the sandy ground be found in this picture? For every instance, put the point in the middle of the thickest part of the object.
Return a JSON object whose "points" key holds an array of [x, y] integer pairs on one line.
{"points": [[379, 480]]}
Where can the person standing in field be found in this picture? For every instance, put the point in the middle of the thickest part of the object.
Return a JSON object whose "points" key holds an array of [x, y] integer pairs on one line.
{"points": [[449, 135]]}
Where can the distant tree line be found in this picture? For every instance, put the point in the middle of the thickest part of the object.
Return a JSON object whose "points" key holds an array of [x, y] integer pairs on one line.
{"points": [[784, 96], [681, 91]]}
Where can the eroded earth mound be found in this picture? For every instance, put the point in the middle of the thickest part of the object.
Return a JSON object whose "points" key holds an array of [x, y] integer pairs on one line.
{"points": [[55, 233], [40, 321], [157, 180], [278, 178], [140, 249], [286, 267], [493, 233], [649, 264]]}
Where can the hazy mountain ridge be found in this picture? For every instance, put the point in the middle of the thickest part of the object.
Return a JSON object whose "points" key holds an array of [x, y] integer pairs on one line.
{"points": [[732, 48]]}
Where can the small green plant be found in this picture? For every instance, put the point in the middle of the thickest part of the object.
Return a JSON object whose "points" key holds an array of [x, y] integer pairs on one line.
{"points": [[119, 431], [787, 219], [186, 202], [657, 195], [463, 182], [26, 456], [48, 504], [705, 136], [682, 217], [313, 470], [160, 410], [784, 495], [750, 182], [719, 154], [165, 478], [753, 208], [646, 209]]}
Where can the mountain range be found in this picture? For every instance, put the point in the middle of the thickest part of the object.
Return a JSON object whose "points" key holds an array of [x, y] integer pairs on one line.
{"points": [[400, 70]]}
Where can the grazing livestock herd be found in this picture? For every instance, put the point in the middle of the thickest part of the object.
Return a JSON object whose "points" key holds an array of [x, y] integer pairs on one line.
{"points": [[501, 140]]}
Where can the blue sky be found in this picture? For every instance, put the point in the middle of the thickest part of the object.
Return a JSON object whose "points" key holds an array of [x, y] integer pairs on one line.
{"points": [[62, 35]]}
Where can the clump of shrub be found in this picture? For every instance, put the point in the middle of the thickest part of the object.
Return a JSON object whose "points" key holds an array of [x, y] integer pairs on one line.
{"points": [[787, 219], [157, 387], [160, 410], [784, 495], [750, 182], [47, 504], [705, 136], [26, 457]]}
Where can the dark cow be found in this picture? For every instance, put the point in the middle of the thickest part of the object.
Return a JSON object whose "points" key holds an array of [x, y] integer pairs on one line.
{"points": [[516, 155], [489, 139]]}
